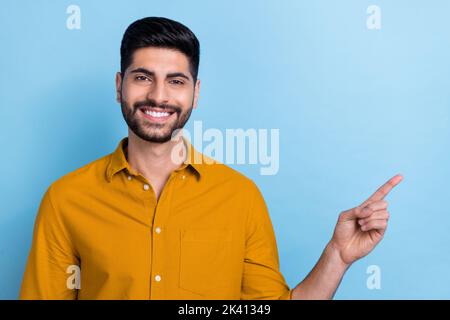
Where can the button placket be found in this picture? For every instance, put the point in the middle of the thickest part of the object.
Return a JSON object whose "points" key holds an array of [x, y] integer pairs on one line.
{"points": [[159, 246]]}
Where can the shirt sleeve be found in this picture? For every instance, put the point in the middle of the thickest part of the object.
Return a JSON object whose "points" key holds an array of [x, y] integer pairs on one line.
{"points": [[47, 271], [262, 278]]}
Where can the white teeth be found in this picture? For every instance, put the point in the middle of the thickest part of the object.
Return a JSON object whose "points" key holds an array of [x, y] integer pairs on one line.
{"points": [[157, 114]]}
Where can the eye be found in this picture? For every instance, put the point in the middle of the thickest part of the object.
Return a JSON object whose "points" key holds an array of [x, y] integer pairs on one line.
{"points": [[141, 78], [177, 82]]}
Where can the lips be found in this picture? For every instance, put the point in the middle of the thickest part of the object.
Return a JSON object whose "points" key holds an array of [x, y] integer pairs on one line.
{"points": [[156, 114]]}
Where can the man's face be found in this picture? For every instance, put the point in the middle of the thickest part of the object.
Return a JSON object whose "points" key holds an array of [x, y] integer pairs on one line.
{"points": [[157, 93]]}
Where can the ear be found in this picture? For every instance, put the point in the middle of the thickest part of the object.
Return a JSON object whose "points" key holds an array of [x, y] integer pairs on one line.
{"points": [[119, 87], [196, 93]]}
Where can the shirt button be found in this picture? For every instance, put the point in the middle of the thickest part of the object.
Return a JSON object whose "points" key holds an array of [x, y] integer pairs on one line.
{"points": [[158, 230], [157, 278], [146, 186], [129, 177], [183, 177]]}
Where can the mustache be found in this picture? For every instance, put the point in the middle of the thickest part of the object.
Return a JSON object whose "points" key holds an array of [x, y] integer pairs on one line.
{"points": [[153, 104]]}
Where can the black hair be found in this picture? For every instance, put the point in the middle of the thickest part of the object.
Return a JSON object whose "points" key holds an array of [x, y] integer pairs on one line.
{"points": [[162, 33]]}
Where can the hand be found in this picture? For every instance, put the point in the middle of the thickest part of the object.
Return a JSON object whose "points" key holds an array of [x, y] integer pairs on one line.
{"points": [[360, 229]]}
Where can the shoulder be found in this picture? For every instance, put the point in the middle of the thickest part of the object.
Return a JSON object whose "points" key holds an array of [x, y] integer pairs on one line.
{"points": [[217, 173], [82, 179]]}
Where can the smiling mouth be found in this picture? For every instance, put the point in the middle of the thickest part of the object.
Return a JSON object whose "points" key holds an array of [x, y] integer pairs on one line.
{"points": [[156, 114]]}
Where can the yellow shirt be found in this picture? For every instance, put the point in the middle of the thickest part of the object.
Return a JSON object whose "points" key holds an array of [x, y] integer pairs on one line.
{"points": [[209, 236]]}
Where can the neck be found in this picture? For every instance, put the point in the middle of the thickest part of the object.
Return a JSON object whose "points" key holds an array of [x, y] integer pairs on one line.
{"points": [[152, 160]]}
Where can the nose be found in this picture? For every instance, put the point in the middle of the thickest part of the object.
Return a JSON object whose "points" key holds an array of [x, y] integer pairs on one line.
{"points": [[158, 93]]}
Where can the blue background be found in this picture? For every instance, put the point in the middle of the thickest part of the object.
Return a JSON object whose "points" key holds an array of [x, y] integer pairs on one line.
{"points": [[354, 107]]}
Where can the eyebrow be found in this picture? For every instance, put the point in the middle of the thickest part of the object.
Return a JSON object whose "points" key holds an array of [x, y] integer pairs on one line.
{"points": [[152, 73]]}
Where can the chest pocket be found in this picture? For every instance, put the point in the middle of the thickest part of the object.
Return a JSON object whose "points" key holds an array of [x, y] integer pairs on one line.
{"points": [[204, 254]]}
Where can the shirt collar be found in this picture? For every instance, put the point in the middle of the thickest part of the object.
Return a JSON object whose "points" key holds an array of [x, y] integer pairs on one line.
{"points": [[118, 161]]}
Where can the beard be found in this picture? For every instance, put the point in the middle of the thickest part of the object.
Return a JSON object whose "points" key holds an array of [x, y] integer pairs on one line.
{"points": [[152, 131]]}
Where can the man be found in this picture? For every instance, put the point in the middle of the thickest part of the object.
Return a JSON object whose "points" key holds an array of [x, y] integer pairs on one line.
{"points": [[156, 219]]}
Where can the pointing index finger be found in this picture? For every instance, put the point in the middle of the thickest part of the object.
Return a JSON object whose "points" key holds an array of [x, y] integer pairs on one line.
{"points": [[384, 190]]}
